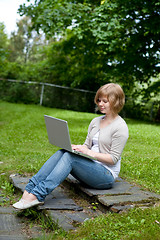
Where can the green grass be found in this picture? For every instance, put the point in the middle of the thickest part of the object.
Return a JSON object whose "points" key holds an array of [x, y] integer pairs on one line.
{"points": [[135, 225], [24, 147], [141, 157]]}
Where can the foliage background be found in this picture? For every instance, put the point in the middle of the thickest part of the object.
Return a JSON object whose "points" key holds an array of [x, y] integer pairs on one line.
{"points": [[85, 44]]}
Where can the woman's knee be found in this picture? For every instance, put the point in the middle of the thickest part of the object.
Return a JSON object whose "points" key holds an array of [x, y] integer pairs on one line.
{"points": [[68, 156], [62, 151]]}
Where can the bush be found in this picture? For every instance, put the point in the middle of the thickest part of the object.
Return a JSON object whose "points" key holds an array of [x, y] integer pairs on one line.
{"points": [[68, 99], [141, 110], [72, 99], [19, 92]]}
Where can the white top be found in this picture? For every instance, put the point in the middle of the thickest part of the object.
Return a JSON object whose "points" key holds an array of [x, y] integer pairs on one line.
{"points": [[114, 169], [95, 145]]}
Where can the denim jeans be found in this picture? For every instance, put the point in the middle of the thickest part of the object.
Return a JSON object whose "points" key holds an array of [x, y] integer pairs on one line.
{"points": [[63, 163]]}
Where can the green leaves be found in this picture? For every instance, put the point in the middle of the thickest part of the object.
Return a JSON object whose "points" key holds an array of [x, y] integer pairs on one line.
{"points": [[99, 42]]}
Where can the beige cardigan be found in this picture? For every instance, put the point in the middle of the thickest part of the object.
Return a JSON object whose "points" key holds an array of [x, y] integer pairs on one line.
{"points": [[112, 138]]}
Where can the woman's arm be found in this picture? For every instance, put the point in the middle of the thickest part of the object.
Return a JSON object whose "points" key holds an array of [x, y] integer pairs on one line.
{"points": [[101, 157]]}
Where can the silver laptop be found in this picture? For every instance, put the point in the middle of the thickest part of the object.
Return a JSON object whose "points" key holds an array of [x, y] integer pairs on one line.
{"points": [[58, 134]]}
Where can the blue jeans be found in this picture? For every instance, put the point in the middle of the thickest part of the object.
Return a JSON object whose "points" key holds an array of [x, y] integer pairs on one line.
{"points": [[60, 165]]}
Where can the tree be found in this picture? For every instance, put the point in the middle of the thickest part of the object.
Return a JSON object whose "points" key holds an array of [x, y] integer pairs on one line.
{"points": [[125, 34], [24, 42], [3, 48]]}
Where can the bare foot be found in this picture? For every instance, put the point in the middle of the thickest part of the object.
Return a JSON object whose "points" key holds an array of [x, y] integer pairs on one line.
{"points": [[29, 197], [25, 194]]}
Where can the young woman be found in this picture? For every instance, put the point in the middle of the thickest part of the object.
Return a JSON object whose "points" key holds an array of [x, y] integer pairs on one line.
{"points": [[107, 136]]}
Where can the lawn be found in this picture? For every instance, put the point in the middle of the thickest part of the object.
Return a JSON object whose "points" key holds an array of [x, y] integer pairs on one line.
{"points": [[25, 147]]}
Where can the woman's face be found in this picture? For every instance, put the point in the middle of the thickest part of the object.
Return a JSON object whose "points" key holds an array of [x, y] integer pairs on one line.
{"points": [[104, 105]]}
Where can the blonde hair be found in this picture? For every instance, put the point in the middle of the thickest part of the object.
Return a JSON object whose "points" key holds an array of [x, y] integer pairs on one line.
{"points": [[114, 94]]}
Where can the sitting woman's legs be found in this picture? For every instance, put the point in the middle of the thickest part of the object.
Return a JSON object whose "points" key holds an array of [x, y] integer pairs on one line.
{"points": [[92, 174], [58, 174], [45, 170], [60, 165]]}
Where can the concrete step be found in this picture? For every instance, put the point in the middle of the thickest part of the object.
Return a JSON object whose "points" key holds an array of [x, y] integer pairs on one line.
{"points": [[122, 196], [11, 227], [62, 209], [67, 214]]}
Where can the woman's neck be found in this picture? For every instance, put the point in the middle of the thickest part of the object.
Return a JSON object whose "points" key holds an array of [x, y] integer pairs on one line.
{"points": [[108, 119]]}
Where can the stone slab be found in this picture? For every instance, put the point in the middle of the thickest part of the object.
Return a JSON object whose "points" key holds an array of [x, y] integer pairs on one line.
{"points": [[135, 197], [9, 222], [56, 200], [120, 187], [122, 194], [117, 209], [62, 210], [10, 225], [123, 199], [67, 219], [19, 182], [11, 237]]}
